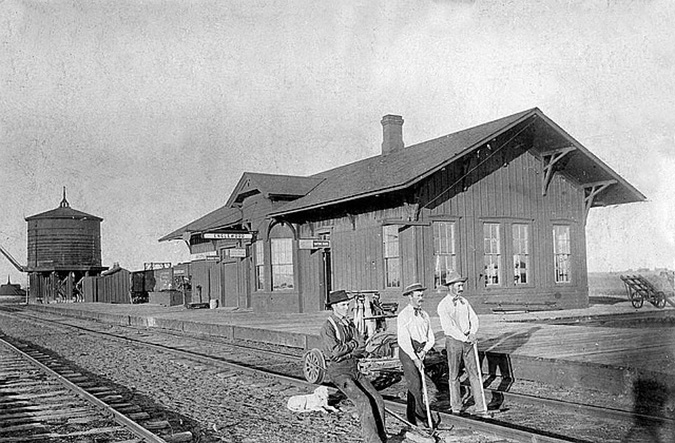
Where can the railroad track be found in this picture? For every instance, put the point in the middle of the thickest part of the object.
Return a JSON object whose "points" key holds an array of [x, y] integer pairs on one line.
{"points": [[42, 399], [248, 359]]}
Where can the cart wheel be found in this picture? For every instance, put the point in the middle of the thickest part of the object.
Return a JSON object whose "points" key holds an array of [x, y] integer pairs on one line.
{"points": [[637, 300], [314, 366], [660, 300]]}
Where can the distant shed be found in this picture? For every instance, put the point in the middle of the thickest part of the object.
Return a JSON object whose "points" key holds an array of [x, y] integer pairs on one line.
{"points": [[11, 293]]}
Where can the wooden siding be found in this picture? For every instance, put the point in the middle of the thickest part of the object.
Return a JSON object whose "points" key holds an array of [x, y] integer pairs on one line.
{"points": [[205, 274], [508, 194], [114, 288], [310, 266], [63, 243], [507, 190]]}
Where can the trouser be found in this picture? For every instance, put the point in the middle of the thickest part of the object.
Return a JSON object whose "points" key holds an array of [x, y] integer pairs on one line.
{"points": [[415, 401], [368, 402], [459, 351]]}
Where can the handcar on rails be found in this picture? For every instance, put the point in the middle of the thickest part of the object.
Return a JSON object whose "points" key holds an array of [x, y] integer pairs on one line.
{"points": [[370, 319]]}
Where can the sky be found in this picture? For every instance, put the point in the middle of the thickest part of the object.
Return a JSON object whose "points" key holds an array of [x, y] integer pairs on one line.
{"points": [[148, 112]]}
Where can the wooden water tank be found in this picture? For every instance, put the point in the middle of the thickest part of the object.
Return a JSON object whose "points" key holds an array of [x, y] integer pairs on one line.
{"points": [[63, 239]]}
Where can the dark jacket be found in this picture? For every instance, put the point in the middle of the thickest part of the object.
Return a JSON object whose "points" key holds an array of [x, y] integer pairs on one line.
{"points": [[342, 344]]}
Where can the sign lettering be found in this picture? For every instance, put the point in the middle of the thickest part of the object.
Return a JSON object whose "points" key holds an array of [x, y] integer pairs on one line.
{"points": [[227, 235], [311, 243]]}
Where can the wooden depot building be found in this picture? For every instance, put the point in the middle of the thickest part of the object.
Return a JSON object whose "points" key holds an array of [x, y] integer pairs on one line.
{"points": [[504, 203]]}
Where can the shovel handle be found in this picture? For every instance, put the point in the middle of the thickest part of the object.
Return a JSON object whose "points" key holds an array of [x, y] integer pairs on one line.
{"points": [[426, 396]]}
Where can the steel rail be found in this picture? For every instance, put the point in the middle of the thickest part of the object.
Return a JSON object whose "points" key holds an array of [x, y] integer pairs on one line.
{"points": [[483, 425], [597, 411], [134, 427]]}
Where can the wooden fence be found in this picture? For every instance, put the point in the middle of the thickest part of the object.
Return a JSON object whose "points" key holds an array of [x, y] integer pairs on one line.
{"points": [[111, 288]]}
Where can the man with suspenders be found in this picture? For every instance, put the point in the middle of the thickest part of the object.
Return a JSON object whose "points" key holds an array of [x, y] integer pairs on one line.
{"points": [[415, 340], [342, 346]]}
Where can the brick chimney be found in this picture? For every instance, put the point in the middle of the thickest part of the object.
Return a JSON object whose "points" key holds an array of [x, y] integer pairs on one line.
{"points": [[392, 138]]}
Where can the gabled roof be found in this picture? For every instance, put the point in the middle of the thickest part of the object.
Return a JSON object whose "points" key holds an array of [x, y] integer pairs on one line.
{"points": [[251, 183], [221, 217], [404, 167], [398, 169], [287, 186]]}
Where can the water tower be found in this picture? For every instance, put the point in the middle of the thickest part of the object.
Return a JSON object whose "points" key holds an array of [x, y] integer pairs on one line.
{"points": [[64, 245]]}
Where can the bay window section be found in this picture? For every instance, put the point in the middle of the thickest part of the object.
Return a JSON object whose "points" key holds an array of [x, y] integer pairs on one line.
{"points": [[259, 254], [282, 263]]}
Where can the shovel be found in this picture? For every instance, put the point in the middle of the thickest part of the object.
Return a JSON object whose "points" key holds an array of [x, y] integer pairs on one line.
{"points": [[480, 374], [420, 435], [425, 395]]}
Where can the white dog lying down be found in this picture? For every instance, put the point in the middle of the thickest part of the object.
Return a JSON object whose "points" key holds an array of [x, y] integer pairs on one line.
{"points": [[318, 401]]}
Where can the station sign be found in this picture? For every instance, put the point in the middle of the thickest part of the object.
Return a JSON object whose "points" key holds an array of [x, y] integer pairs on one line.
{"points": [[234, 252], [228, 235], [210, 255], [313, 243]]}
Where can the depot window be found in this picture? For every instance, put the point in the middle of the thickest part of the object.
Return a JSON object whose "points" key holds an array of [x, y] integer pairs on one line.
{"points": [[562, 253], [521, 253], [392, 258], [492, 255], [282, 263], [259, 253], [445, 254]]}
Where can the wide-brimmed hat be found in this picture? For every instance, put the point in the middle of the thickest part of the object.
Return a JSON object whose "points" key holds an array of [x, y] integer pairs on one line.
{"points": [[454, 277], [338, 296], [412, 288]]}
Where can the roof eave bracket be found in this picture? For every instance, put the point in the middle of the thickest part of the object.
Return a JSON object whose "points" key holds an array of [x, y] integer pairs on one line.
{"points": [[550, 158], [591, 190]]}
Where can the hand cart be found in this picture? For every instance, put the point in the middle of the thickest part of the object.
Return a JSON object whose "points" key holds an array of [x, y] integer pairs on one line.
{"points": [[640, 289], [370, 318]]}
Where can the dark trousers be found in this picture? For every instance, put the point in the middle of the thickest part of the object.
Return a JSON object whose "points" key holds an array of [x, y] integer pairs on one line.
{"points": [[415, 401], [367, 400]]}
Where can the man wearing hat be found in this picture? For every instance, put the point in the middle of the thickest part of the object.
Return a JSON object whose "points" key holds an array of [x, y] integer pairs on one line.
{"points": [[460, 325], [415, 339], [342, 346]]}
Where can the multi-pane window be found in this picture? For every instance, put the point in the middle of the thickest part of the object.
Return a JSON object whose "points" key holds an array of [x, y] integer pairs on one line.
{"points": [[491, 254], [521, 253], [445, 255], [562, 253], [259, 252], [282, 263], [392, 259]]}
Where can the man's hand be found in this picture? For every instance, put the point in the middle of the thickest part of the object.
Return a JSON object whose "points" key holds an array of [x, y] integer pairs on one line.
{"points": [[472, 338], [421, 355], [419, 363]]}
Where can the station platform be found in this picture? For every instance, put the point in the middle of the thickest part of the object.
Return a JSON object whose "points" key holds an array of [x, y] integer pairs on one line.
{"points": [[609, 346]]}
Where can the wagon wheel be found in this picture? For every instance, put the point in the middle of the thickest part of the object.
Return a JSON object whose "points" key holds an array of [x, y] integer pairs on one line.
{"points": [[636, 299], [660, 300], [314, 366]]}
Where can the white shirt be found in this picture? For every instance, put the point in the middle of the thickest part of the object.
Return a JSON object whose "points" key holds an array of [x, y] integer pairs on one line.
{"points": [[414, 327], [458, 318]]}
